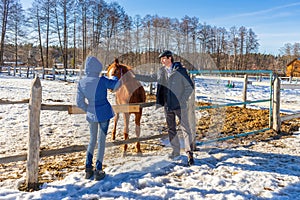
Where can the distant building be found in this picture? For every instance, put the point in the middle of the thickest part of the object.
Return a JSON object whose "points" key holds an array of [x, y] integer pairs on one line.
{"points": [[293, 68]]}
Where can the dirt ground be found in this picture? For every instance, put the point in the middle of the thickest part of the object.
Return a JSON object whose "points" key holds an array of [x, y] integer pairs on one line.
{"points": [[241, 120], [212, 124]]}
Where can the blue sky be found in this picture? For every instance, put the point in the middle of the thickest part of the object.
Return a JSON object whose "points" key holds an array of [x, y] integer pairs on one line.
{"points": [[275, 22]]}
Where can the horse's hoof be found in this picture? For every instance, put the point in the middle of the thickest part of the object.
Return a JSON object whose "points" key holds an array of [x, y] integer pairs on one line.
{"points": [[138, 150], [124, 154]]}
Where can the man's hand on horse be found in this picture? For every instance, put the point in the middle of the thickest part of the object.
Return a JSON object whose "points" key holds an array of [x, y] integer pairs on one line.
{"points": [[131, 73]]}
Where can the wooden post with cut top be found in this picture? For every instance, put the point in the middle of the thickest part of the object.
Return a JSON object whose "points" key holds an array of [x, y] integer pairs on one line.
{"points": [[33, 154], [276, 106], [192, 117], [245, 89]]}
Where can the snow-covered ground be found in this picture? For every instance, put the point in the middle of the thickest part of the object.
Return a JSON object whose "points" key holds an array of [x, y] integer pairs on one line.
{"points": [[265, 170]]}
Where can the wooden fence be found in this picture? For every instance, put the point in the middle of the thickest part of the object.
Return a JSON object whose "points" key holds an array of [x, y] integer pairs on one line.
{"points": [[274, 108], [32, 71], [34, 153], [35, 106]]}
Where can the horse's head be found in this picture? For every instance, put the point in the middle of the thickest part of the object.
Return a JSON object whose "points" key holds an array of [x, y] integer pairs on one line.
{"points": [[117, 69]]}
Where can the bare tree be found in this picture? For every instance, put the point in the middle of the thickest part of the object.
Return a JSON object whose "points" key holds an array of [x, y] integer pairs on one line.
{"points": [[251, 47], [296, 49], [204, 37], [137, 24], [221, 47], [82, 4], [194, 28], [63, 18], [74, 35], [45, 10], [14, 28], [185, 28], [5, 8], [242, 43], [234, 46], [147, 25], [287, 49], [36, 24]]}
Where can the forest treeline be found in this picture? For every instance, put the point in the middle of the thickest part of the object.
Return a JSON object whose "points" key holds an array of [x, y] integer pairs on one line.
{"points": [[66, 31]]}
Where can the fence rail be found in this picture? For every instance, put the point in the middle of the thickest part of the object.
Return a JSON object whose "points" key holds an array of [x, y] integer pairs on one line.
{"points": [[32, 71], [77, 148], [14, 102], [289, 117]]}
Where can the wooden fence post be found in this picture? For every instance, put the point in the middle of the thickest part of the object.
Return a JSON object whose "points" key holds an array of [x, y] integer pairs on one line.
{"points": [[15, 70], [245, 89], [34, 72], [28, 71], [20, 70], [192, 117], [53, 72], [276, 106], [33, 154]]}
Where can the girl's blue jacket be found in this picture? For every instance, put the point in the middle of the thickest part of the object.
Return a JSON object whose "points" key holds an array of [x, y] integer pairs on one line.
{"points": [[92, 92]]}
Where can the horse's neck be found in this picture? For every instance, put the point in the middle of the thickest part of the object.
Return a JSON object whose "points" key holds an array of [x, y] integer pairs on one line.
{"points": [[128, 87], [131, 83]]}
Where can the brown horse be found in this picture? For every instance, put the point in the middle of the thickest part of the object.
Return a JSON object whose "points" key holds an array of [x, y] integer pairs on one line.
{"points": [[130, 91]]}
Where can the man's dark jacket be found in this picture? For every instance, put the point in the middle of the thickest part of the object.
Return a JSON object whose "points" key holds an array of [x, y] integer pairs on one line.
{"points": [[172, 92]]}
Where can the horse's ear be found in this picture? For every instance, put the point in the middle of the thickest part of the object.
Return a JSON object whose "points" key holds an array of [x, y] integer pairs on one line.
{"points": [[117, 61]]}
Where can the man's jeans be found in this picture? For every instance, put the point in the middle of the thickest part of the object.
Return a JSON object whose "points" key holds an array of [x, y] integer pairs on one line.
{"points": [[184, 126]]}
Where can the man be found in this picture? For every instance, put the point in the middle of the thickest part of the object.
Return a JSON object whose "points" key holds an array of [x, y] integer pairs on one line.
{"points": [[174, 87]]}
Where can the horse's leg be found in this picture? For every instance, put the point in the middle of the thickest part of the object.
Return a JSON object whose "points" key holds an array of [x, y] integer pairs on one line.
{"points": [[138, 129], [126, 130], [113, 134]]}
